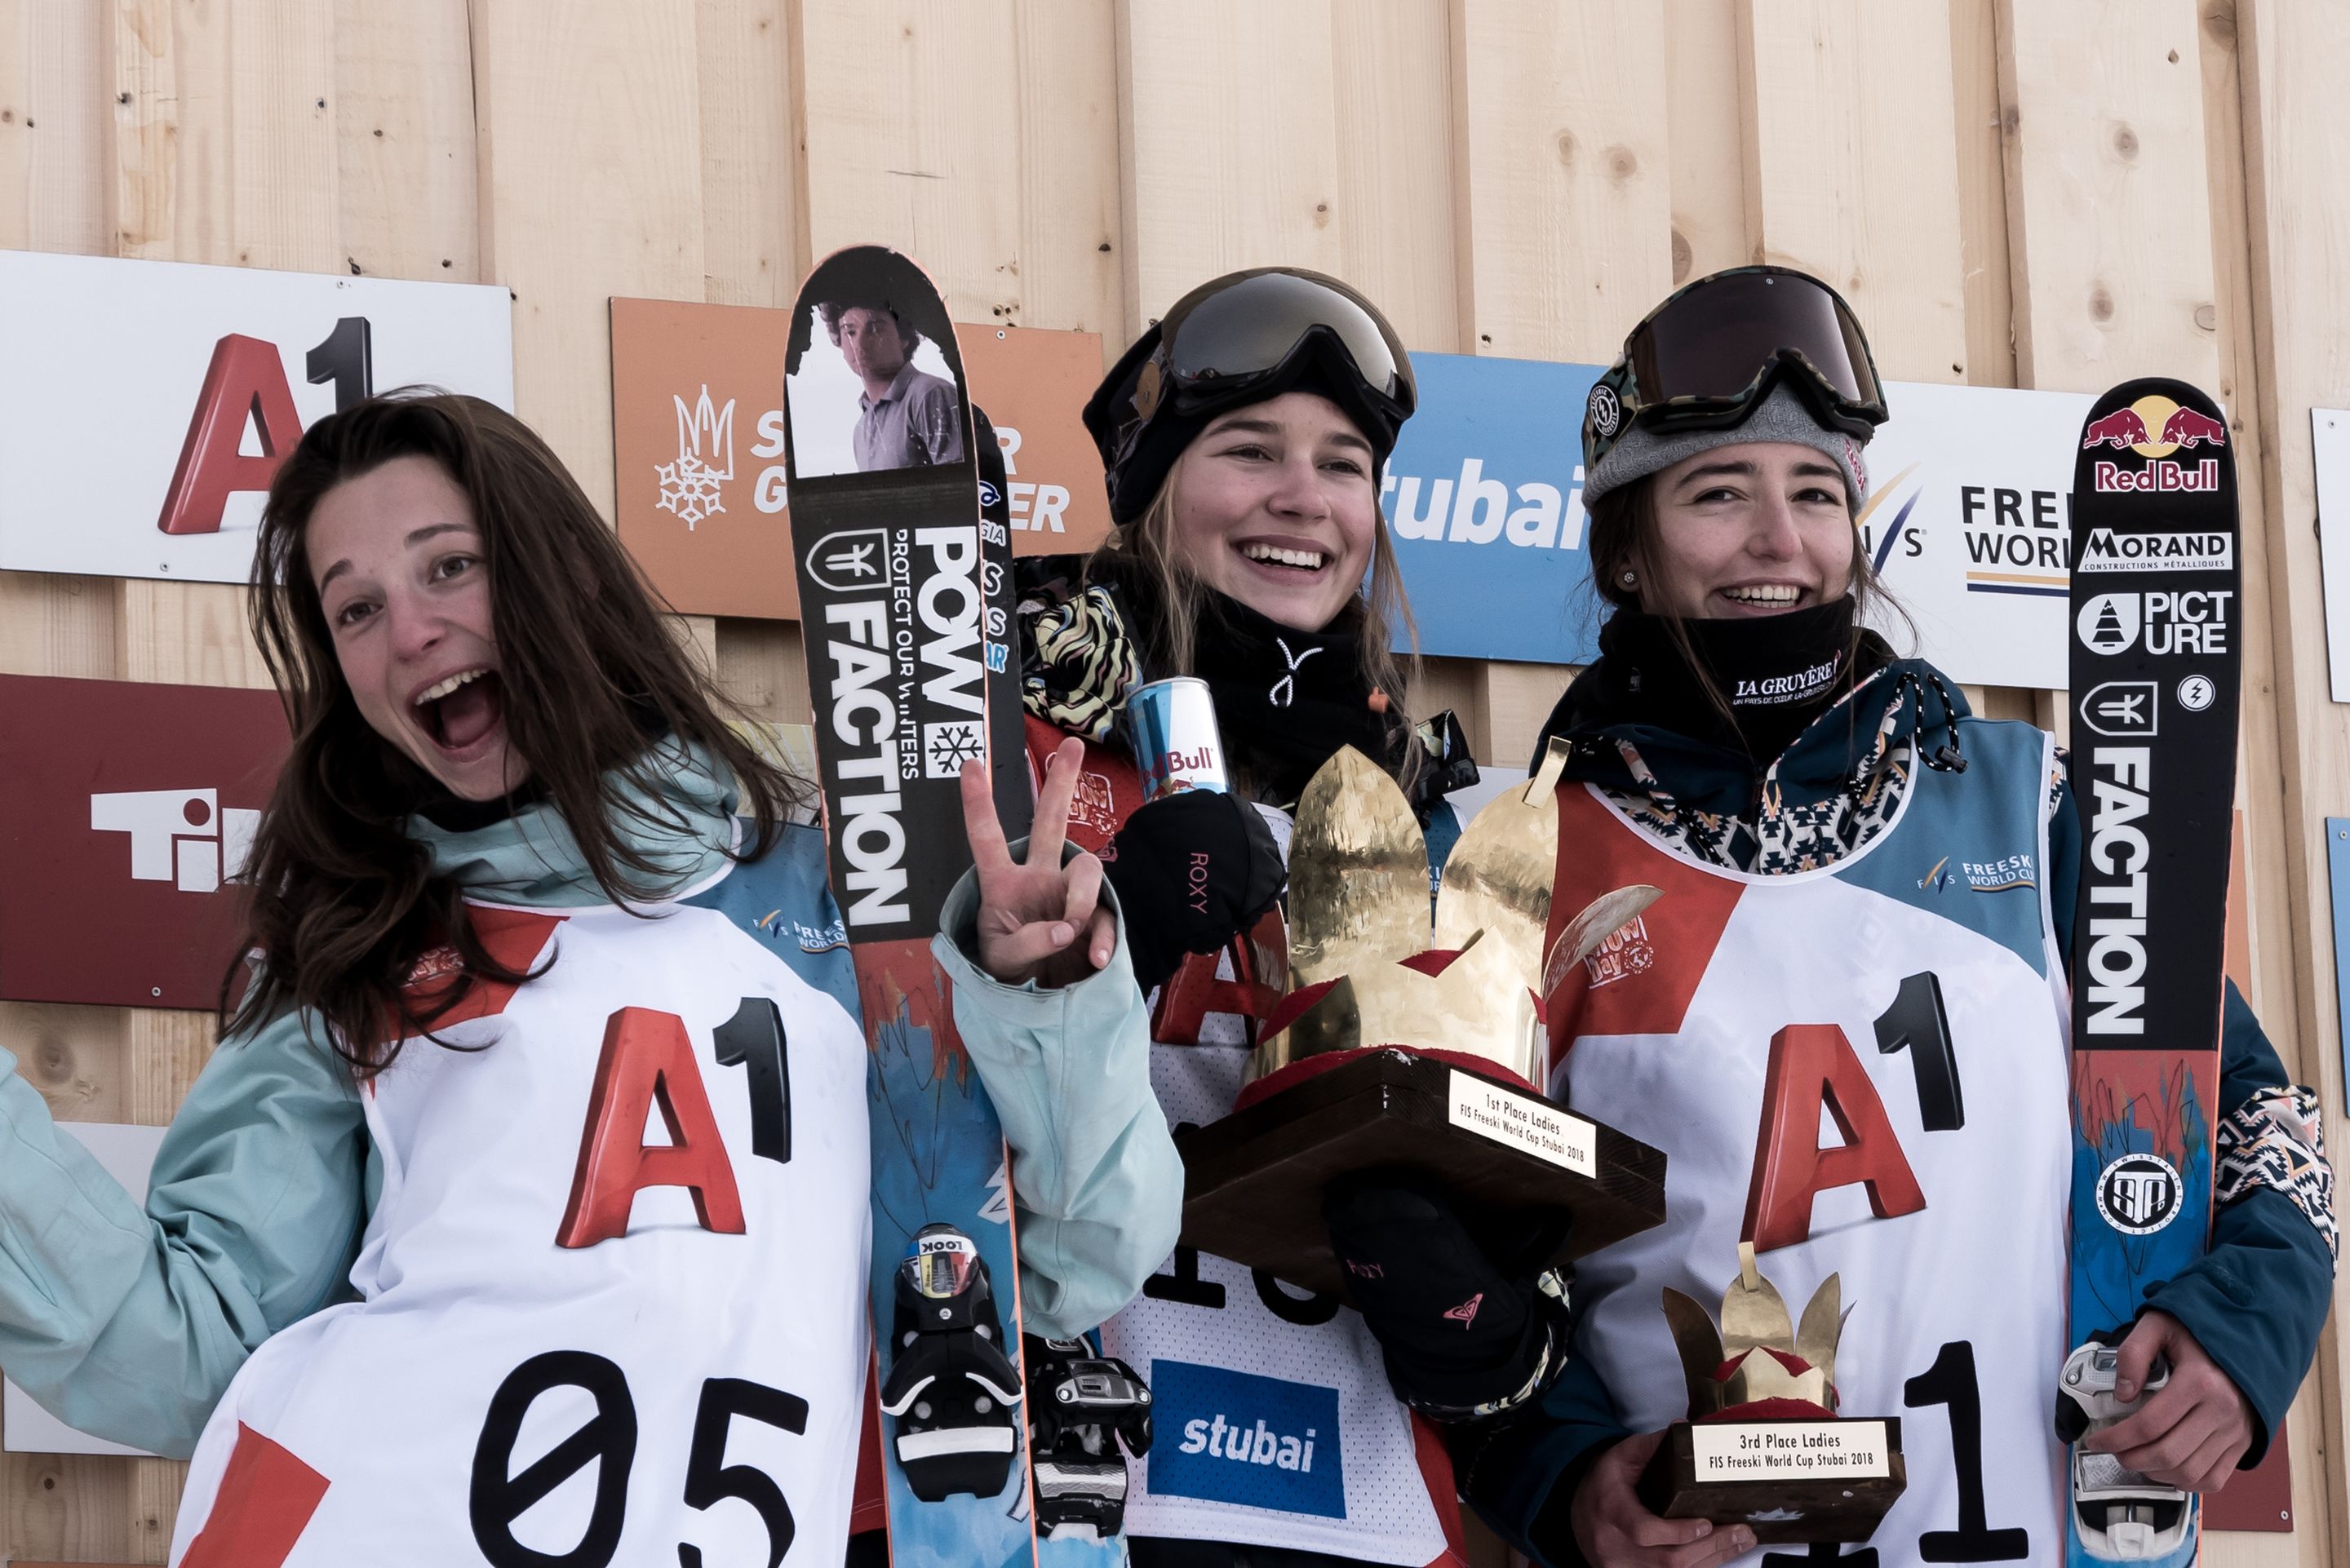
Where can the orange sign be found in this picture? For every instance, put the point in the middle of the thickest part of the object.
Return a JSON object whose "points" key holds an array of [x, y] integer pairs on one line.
{"points": [[697, 446]]}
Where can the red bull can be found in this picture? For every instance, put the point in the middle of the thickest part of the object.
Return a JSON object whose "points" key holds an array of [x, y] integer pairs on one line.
{"points": [[1172, 725]]}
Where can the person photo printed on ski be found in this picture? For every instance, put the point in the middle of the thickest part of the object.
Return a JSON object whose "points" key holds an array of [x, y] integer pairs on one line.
{"points": [[1243, 438], [418, 1281], [1869, 915], [887, 400]]}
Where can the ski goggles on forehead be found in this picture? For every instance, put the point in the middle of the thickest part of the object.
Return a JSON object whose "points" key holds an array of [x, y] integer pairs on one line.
{"points": [[1706, 357], [1217, 349]]}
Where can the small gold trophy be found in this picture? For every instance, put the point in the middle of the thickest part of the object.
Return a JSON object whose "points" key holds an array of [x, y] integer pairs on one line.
{"points": [[1764, 1446], [1411, 1047]]}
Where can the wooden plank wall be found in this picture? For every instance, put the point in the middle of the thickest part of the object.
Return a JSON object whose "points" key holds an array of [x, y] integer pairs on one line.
{"points": [[2012, 193]]}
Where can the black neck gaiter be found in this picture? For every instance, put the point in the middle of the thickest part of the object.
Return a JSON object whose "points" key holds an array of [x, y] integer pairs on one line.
{"points": [[1777, 673], [1287, 700]]}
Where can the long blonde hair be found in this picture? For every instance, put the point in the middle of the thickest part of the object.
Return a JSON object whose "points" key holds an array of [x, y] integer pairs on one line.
{"points": [[1149, 544]]}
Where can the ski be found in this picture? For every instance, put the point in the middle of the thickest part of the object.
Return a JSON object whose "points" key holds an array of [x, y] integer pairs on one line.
{"points": [[903, 555], [2156, 620]]}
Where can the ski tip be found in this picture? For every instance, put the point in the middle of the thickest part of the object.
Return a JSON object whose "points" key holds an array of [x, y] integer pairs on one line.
{"points": [[873, 275]]}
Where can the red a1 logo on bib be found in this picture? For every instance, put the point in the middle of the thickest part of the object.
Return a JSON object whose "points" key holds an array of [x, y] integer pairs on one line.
{"points": [[246, 385]]}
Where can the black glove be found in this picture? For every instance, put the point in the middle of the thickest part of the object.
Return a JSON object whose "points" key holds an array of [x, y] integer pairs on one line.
{"points": [[1192, 871], [1469, 1325]]}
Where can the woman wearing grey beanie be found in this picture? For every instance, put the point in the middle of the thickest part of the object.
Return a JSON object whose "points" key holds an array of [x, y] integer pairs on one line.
{"points": [[1866, 925]]}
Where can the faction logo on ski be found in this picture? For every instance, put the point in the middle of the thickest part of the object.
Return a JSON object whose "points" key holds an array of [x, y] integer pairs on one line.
{"points": [[2125, 709], [2133, 428], [850, 560], [2138, 1193]]}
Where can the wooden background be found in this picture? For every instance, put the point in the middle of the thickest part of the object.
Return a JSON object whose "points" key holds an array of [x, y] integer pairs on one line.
{"points": [[2012, 193]]}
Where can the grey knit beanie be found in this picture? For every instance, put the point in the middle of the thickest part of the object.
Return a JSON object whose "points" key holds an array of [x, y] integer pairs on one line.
{"points": [[1782, 416]]}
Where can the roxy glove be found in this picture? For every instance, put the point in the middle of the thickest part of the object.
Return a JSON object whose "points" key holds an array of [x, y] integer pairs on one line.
{"points": [[1468, 1327], [1192, 871]]}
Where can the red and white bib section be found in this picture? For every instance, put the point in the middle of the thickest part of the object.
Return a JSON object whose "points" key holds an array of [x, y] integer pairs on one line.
{"points": [[613, 1291], [1275, 1424], [1770, 1033]]}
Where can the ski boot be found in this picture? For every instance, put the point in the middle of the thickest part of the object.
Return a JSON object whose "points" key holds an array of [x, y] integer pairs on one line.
{"points": [[2123, 1516], [1082, 1406], [952, 1392]]}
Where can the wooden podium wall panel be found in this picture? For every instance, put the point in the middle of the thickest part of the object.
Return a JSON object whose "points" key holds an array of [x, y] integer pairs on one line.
{"points": [[2011, 194]]}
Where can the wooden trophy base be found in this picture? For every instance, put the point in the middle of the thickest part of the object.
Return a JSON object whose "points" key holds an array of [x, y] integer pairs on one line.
{"points": [[1253, 1181], [1784, 1479]]}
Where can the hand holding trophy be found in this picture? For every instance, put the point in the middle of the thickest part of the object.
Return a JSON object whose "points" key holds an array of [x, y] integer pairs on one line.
{"points": [[1411, 1051], [1764, 1445]]}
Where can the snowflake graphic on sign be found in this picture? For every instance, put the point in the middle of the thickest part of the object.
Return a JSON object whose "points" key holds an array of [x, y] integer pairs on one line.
{"points": [[705, 459], [949, 744]]}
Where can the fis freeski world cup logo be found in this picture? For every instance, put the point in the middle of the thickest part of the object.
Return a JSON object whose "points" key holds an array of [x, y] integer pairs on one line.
{"points": [[2134, 429]]}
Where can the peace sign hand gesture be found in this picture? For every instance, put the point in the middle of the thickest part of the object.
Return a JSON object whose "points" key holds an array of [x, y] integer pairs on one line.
{"points": [[1038, 920]]}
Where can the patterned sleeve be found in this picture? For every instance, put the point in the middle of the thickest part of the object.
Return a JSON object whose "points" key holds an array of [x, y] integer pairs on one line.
{"points": [[2273, 1139]]}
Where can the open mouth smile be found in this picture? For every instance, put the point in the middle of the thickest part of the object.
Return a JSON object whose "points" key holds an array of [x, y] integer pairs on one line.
{"points": [[460, 712]]}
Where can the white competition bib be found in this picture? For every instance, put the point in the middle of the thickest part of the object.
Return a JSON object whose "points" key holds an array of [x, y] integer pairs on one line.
{"points": [[612, 1293], [1775, 1037]]}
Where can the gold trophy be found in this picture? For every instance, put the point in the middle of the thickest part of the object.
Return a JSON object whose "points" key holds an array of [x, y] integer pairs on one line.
{"points": [[1415, 1047], [1764, 1446]]}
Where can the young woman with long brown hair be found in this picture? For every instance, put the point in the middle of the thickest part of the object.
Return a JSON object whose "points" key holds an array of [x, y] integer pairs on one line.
{"points": [[418, 1280]]}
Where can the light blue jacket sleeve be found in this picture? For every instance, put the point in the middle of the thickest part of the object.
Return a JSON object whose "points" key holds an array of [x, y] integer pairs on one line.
{"points": [[1096, 1184], [128, 1326]]}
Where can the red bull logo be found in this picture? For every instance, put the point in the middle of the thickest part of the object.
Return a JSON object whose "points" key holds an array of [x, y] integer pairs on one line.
{"points": [[2154, 428], [2121, 427]]}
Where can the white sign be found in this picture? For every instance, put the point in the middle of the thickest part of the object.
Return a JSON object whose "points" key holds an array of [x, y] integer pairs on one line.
{"points": [[1968, 521], [2329, 431], [1524, 1123], [1787, 1450], [128, 1153], [147, 404]]}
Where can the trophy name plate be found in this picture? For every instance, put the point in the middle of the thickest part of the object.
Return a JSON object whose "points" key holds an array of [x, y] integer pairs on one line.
{"points": [[1253, 1181], [1818, 1479]]}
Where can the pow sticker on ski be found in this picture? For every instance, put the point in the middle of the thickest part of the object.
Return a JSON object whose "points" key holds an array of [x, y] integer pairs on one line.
{"points": [[2158, 625], [904, 610]]}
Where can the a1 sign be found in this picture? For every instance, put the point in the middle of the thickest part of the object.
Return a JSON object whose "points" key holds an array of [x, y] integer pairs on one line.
{"points": [[148, 404]]}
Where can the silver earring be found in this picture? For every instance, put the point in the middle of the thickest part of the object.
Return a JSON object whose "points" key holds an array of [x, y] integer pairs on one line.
{"points": [[1630, 579]]}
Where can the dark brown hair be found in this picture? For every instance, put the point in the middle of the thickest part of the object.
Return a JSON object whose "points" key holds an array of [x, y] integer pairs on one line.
{"points": [[342, 902], [832, 310], [1623, 537]]}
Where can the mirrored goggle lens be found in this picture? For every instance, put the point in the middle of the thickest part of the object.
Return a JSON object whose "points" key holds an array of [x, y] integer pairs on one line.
{"points": [[1712, 342], [941, 1273], [1251, 327]]}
